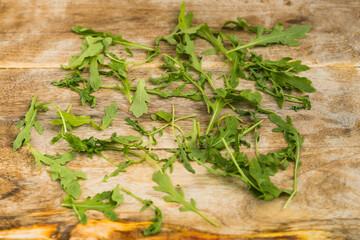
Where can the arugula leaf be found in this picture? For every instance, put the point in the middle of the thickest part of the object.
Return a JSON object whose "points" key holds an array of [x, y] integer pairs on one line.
{"points": [[135, 124], [72, 81], [23, 136], [157, 220], [275, 78], [96, 203], [94, 78], [205, 33], [119, 69], [268, 189], [71, 119], [161, 115], [278, 35], [189, 50], [68, 179], [93, 49], [241, 24], [110, 114], [140, 98], [166, 186], [116, 39], [121, 168], [292, 137], [301, 83]]}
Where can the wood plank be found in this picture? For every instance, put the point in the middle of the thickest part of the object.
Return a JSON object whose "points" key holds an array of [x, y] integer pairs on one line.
{"points": [[35, 39], [40, 37]]}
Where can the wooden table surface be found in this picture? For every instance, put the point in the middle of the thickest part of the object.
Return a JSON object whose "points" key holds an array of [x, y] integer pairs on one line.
{"points": [[35, 38]]}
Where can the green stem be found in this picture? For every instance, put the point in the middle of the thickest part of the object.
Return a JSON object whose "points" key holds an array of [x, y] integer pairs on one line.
{"points": [[169, 124], [59, 111], [256, 143], [251, 128], [208, 78], [206, 218], [226, 116], [134, 196], [107, 159], [295, 174]]}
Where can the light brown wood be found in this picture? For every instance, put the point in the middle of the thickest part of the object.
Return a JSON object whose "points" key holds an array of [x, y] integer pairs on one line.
{"points": [[35, 39]]}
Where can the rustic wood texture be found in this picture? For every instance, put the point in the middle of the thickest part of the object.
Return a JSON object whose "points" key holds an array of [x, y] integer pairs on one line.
{"points": [[35, 38]]}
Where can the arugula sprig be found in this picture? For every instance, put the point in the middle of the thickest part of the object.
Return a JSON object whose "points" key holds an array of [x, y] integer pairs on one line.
{"points": [[292, 137], [165, 185], [114, 197], [23, 137], [157, 220]]}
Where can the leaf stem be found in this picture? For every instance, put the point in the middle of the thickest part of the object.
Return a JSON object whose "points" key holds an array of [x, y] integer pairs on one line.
{"points": [[295, 174], [59, 111], [206, 218], [169, 124], [244, 177], [107, 159]]}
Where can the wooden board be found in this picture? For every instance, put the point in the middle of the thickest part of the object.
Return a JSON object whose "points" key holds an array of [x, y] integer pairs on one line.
{"points": [[35, 39]]}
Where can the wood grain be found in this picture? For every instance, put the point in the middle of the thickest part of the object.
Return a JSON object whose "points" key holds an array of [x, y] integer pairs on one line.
{"points": [[35, 39]]}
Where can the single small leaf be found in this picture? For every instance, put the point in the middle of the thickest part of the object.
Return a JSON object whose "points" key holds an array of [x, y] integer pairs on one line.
{"points": [[140, 98], [94, 77]]}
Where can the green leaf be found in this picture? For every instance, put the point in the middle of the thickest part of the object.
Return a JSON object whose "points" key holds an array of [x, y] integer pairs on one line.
{"points": [[135, 124], [165, 185], [71, 119], [161, 115], [23, 136], [284, 65], [157, 223], [182, 21], [92, 51], [278, 35], [96, 203], [300, 83], [94, 77], [68, 179], [140, 98], [116, 39], [157, 220], [110, 114], [212, 51], [120, 169], [268, 189], [205, 33], [75, 142], [190, 50], [241, 24]]}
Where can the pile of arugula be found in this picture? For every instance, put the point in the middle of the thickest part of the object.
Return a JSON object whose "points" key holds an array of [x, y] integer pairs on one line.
{"points": [[218, 149]]}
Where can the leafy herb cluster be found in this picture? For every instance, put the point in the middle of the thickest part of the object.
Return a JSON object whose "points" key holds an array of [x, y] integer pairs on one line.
{"points": [[218, 149]]}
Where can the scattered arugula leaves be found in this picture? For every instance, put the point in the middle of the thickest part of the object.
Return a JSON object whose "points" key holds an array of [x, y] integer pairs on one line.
{"points": [[218, 150]]}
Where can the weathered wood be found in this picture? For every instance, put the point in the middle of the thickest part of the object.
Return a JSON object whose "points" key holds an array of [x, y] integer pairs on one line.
{"points": [[35, 39]]}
